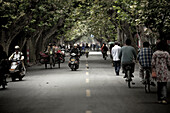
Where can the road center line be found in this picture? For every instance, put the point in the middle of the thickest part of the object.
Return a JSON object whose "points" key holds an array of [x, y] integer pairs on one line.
{"points": [[87, 73], [88, 111], [87, 80], [88, 94], [87, 65]]}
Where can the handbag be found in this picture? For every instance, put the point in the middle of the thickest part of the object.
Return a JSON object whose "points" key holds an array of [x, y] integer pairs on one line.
{"points": [[153, 73]]}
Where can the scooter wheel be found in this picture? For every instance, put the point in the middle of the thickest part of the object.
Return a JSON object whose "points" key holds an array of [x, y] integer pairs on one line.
{"points": [[20, 78], [3, 86], [13, 78]]}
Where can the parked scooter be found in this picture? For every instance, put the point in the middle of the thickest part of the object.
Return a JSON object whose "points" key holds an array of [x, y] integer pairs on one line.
{"points": [[17, 70], [74, 62]]}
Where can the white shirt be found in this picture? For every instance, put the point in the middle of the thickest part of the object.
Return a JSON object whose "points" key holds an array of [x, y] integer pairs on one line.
{"points": [[115, 52], [16, 56]]}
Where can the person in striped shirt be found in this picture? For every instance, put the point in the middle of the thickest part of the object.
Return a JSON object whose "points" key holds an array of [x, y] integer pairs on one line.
{"points": [[145, 58]]}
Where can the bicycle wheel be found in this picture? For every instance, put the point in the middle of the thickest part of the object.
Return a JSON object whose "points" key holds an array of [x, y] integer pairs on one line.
{"points": [[129, 78], [147, 84]]}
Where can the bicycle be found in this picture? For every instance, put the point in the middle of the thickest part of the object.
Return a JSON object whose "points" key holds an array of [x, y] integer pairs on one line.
{"points": [[128, 72], [147, 81]]}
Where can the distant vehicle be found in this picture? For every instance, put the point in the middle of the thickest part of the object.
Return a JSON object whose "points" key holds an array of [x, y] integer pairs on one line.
{"points": [[74, 62], [47, 59]]}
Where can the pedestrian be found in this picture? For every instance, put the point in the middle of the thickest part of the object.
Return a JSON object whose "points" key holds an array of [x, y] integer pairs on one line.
{"points": [[104, 50], [160, 64], [115, 55], [110, 48]]}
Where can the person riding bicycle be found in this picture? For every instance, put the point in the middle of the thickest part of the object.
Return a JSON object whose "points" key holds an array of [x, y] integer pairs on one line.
{"points": [[104, 49], [145, 57], [127, 55], [87, 48]]}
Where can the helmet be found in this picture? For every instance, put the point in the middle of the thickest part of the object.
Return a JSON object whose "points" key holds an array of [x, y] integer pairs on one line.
{"points": [[17, 47], [50, 44], [75, 45]]}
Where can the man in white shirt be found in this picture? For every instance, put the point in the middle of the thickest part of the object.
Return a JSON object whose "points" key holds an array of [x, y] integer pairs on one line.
{"points": [[115, 54]]}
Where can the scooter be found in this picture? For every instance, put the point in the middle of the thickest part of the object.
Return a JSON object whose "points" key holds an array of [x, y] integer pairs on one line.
{"points": [[73, 63], [49, 59], [17, 70]]}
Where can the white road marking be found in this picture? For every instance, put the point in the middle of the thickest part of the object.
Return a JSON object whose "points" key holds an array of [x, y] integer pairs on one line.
{"points": [[87, 65], [88, 93], [87, 80], [88, 111]]}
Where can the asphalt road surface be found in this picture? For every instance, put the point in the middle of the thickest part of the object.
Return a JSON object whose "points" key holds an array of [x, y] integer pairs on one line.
{"points": [[93, 88]]}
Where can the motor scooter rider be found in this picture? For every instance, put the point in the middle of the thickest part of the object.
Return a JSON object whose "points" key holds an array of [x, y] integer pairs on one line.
{"points": [[76, 51], [51, 51], [63, 49], [18, 55]]}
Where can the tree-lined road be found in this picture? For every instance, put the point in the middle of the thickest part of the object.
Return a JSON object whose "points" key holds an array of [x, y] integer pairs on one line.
{"points": [[96, 89]]}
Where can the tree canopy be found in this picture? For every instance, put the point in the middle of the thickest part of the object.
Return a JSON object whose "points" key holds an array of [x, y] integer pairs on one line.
{"points": [[83, 17]]}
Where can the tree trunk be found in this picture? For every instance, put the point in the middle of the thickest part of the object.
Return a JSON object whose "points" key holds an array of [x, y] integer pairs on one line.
{"points": [[49, 33], [126, 29]]}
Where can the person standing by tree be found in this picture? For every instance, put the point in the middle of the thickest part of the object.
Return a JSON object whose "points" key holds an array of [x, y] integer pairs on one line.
{"points": [[115, 55], [160, 63]]}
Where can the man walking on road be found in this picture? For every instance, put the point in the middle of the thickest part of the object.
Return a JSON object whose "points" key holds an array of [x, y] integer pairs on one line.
{"points": [[115, 54]]}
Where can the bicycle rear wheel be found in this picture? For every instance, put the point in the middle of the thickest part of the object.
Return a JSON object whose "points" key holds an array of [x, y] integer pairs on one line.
{"points": [[148, 82], [129, 78]]}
